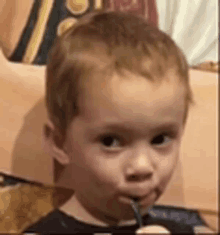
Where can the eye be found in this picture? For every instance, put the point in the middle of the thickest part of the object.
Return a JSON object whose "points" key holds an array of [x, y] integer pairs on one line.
{"points": [[110, 141], [162, 139]]}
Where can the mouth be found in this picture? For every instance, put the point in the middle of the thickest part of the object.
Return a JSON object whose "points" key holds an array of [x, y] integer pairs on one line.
{"points": [[139, 199]]}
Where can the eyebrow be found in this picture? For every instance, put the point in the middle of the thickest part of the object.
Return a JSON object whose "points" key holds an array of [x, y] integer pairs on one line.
{"points": [[166, 126], [125, 128]]}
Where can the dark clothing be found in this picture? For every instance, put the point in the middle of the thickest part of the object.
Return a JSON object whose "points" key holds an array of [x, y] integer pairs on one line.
{"points": [[174, 220]]}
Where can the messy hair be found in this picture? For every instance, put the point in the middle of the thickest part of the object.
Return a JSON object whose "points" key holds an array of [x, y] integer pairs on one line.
{"points": [[103, 43]]}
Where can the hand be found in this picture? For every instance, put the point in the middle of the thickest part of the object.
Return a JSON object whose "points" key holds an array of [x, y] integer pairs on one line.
{"points": [[153, 229]]}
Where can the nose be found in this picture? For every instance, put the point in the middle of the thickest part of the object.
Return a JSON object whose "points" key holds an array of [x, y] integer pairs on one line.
{"points": [[140, 167]]}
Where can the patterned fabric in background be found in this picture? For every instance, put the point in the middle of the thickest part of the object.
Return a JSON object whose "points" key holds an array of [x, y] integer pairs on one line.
{"points": [[63, 14]]}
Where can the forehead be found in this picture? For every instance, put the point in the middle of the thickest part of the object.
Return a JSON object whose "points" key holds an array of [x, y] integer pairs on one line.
{"points": [[132, 98]]}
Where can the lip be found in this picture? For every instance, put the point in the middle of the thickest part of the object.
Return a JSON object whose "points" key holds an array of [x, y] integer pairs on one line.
{"points": [[140, 199], [137, 194]]}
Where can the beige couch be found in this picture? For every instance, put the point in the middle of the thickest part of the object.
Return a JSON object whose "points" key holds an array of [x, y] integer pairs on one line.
{"points": [[194, 184]]}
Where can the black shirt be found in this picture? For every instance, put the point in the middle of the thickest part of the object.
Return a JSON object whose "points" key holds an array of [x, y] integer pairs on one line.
{"points": [[59, 222]]}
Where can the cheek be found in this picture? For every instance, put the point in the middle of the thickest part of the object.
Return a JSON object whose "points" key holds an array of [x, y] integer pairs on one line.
{"points": [[106, 172], [91, 168], [165, 171]]}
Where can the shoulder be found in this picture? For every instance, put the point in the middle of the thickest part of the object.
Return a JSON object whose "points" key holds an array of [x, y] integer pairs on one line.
{"points": [[175, 220], [57, 222], [52, 223], [171, 226]]}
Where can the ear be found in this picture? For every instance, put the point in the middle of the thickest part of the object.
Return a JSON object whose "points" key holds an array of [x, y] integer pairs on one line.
{"points": [[51, 144]]}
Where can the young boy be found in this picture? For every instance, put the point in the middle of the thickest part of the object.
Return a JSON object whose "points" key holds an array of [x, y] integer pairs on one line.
{"points": [[117, 96]]}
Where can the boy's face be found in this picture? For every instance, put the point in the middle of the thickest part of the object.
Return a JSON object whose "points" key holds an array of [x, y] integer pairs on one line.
{"points": [[125, 143]]}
